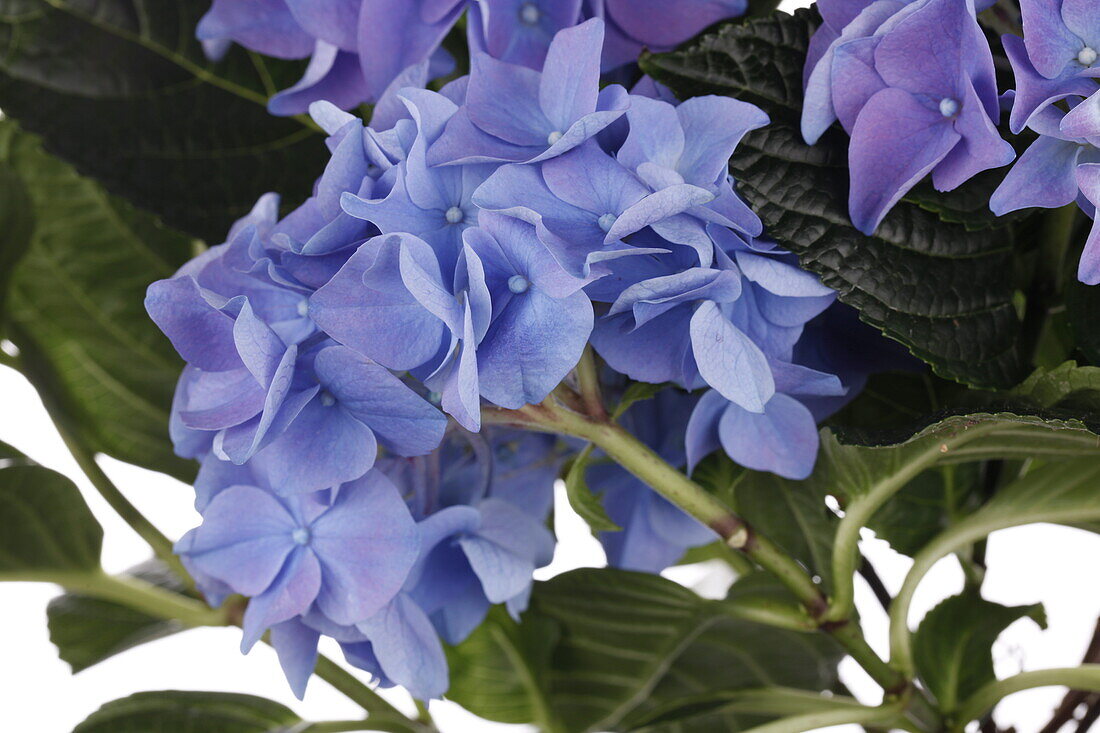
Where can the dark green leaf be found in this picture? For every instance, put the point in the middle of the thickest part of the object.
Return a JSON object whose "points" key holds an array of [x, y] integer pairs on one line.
{"points": [[190, 712], [584, 502], [17, 222], [943, 290], [121, 89], [76, 311], [953, 646], [88, 630], [1083, 307], [46, 529]]}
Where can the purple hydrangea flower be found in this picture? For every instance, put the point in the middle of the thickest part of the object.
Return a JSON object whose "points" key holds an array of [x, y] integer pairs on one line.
{"points": [[1056, 170], [914, 86], [514, 114], [347, 557], [656, 25]]}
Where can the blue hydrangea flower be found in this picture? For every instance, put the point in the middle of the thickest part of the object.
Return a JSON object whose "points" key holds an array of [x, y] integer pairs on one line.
{"points": [[915, 88], [515, 114], [1056, 171], [508, 327], [520, 31], [347, 557], [584, 203], [671, 145], [1052, 61]]}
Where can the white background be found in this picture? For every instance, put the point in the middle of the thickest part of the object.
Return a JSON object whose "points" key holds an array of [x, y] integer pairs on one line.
{"points": [[1053, 565]]}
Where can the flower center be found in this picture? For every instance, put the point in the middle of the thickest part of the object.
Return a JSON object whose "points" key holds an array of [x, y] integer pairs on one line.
{"points": [[529, 14], [301, 536], [327, 399], [1087, 57], [553, 137], [518, 284], [949, 107], [435, 397], [455, 215], [607, 221], [303, 308]]}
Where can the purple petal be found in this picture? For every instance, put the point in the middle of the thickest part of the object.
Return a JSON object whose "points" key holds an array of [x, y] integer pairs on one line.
{"points": [[502, 100], [332, 75], [290, 595], [702, 429], [408, 649], [570, 81], [201, 333], [367, 307], [266, 26], [394, 36], [782, 440], [1088, 271], [323, 447], [896, 141], [296, 645], [1050, 44], [403, 422], [367, 543], [981, 148], [244, 539], [729, 360], [1044, 176]]}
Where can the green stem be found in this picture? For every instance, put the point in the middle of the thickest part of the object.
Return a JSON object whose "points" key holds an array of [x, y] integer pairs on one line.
{"points": [[588, 382], [654, 471], [1085, 678], [339, 726], [122, 506], [885, 715], [858, 513], [131, 592]]}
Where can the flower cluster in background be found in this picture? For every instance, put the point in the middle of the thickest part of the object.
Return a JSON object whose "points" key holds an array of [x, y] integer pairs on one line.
{"points": [[913, 83], [462, 250], [358, 48]]}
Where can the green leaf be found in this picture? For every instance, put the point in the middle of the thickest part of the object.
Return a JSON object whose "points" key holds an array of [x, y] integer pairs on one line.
{"points": [[499, 672], [792, 514], [602, 650], [190, 712], [75, 307], [635, 645], [926, 506], [943, 290], [17, 217], [953, 646], [46, 529], [88, 630], [637, 392], [121, 89], [582, 499], [1058, 492]]}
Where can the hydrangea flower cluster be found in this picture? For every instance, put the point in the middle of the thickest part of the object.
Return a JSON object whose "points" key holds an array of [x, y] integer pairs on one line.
{"points": [[463, 250], [360, 48], [1057, 96], [913, 83]]}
